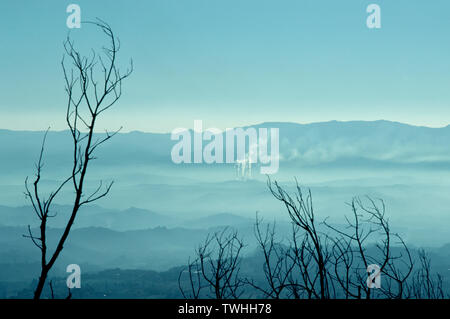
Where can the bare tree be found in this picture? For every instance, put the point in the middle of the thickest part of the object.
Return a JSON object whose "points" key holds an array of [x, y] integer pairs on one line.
{"points": [[368, 240], [218, 263], [303, 278], [277, 266], [335, 263], [330, 263], [87, 98], [195, 285], [301, 211], [425, 285]]}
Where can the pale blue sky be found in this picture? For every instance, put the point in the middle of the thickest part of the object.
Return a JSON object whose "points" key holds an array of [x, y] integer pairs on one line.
{"points": [[236, 62]]}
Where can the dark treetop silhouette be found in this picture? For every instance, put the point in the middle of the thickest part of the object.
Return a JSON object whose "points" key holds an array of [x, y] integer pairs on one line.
{"points": [[320, 261], [87, 98]]}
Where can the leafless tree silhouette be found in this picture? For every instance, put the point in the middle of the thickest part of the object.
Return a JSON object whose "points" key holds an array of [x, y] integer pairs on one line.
{"points": [[87, 98], [303, 278], [425, 285], [216, 267], [334, 263], [368, 240], [301, 211], [195, 285], [319, 261], [277, 266]]}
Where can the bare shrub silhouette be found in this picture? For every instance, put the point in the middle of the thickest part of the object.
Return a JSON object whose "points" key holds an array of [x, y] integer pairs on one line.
{"points": [[87, 99]]}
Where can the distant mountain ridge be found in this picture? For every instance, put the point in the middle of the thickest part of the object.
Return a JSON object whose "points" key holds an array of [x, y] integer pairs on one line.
{"points": [[119, 220], [145, 176], [303, 144]]}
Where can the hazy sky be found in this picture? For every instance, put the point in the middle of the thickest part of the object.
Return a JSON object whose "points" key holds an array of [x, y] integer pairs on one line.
{"points": [[236, 62]]}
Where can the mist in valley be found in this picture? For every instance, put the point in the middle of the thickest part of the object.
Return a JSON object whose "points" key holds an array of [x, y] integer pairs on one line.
{"points": [[158, 212]]}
